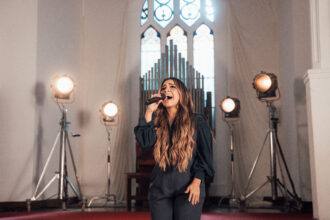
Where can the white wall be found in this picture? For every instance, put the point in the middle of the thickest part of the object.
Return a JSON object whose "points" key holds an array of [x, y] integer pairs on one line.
{"points": [[58, 52], [104, 78], [254, 47], [41, 39], [18, 57], [295, 59]]}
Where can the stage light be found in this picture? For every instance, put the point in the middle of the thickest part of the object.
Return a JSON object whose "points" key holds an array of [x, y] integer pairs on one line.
{"points": [[267, 90], [109, 114], [230, 113], [63, 89], [109, 117], [62, 93], [266, 86], [230, 107]]}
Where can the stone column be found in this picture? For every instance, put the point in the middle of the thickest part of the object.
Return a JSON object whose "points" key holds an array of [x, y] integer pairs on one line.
{"points": [[317, 81]]}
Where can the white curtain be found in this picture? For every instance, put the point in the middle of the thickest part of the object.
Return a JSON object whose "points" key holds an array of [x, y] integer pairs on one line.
{"points": [[255, 46], [104, 79]]}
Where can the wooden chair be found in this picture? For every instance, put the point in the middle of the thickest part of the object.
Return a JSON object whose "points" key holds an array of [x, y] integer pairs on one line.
{"points": [[144, 165]]}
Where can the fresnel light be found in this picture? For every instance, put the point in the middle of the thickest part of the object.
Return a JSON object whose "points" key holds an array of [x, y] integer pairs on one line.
{"points": [[109, 114], [266, 86], [63, 89], [230, 113], [230, 107]]}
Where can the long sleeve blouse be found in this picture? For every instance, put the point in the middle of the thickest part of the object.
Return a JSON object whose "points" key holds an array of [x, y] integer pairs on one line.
{"points": [[202, 162]]}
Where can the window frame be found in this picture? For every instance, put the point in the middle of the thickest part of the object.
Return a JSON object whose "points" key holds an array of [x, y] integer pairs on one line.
{"points": [[177, 21]]}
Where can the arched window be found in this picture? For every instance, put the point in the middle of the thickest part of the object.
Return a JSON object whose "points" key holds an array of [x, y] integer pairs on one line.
{"points": [[204, 56], [150, 49], [179, 37], [189, 24]]}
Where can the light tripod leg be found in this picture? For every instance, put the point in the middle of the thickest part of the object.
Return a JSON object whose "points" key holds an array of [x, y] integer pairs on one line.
{"points": [[72, 187], [62, 160], [285, 193], [298, 204], [78, 193], [273, 167], [253, 167], [65, 177], [256, 189], [287, 170], [48, 184], [45, 167], [108, 197], [232, 198]]}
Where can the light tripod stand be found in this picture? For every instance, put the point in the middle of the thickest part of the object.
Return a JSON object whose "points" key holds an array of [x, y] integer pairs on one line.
{"points": [[276, 154], [232, 198], [107, 197], [62, 174]]}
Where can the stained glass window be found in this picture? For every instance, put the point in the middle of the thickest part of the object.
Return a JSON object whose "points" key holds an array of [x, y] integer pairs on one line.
{"points": [[144, 13], [150, 49], [179, 37], [200, 47], [163, 12], [204, 56], [189, 11], [209, 10]]}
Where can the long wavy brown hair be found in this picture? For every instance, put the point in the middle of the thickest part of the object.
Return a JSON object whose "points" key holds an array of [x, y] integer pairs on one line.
{"points": [[183, 134]]}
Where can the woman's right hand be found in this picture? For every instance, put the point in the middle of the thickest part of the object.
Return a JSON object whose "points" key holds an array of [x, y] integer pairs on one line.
{"points": [[152, 108]]}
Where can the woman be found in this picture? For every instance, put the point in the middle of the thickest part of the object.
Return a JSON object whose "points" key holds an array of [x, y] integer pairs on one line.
{"points": [[181, 142]]}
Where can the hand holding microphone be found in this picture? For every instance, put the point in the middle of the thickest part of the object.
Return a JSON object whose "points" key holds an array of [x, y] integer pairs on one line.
{"points": [[153, 103], [155, 99]]}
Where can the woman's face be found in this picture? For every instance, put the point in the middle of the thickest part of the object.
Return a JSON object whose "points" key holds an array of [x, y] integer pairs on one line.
{"points": [[171, 91]]}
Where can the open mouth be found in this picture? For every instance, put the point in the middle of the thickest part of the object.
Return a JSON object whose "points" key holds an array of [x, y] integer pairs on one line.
{"points": [[169, 97]]}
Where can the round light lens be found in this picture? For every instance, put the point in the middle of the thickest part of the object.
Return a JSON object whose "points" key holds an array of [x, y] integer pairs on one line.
{"points": [[110, 109], [228, 105], [263, 83], [64, 85]]}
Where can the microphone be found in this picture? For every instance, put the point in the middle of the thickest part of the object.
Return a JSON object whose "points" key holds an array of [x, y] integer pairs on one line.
{"points": [[155, 99]]}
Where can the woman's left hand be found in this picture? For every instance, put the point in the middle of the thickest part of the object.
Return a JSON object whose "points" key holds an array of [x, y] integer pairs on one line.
{"points": [[194, 191]]}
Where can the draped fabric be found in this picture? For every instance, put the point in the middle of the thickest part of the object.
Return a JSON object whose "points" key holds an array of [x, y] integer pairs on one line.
{"points": [[250, 42], [104, 79], [255, 46]]}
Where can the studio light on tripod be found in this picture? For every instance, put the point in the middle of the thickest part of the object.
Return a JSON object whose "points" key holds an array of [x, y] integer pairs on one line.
{"points": [[267, 90], [109, 113], [230, 107], [109, 117], [62, 93], [63, 89], [266, 86]]}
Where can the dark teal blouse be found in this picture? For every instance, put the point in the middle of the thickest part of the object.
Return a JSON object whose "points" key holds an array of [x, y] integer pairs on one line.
{"points": [[202, 161]]}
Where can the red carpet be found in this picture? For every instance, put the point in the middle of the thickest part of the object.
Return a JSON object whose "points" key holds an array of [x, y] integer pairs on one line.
{"points": [[146, 216]]}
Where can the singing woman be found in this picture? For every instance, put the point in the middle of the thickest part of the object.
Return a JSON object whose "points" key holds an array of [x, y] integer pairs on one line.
{"points": [[182, 152]]}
